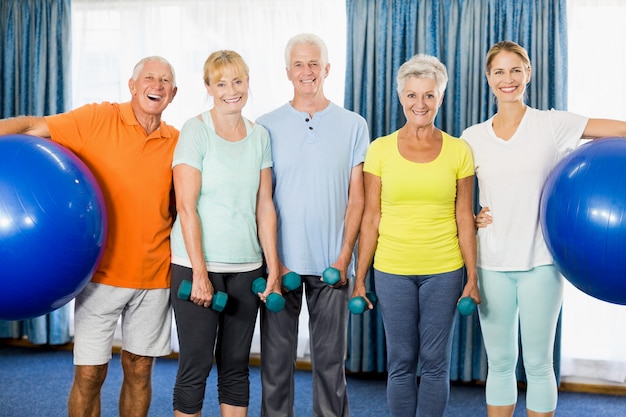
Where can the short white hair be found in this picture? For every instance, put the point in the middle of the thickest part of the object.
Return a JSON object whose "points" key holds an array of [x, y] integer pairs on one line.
{"points": [[142, 62], [423, 66], [309, 39]]}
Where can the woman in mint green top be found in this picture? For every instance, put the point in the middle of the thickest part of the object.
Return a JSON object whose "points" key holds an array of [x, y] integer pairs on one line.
{"points": [[418, 226], [226, 226]]}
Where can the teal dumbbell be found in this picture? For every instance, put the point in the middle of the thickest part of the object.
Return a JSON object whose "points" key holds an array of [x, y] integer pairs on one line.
{"points": [[331, 275], [291, 281], [358, 305], [218, 302], [466, 306], [274, 302]]}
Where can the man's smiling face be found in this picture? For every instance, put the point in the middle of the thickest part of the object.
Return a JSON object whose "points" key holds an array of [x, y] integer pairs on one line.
{"points": [[306, 70], [154, 88]]}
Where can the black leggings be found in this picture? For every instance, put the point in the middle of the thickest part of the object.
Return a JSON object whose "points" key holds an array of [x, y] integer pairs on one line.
{"points": [[198, 328]]}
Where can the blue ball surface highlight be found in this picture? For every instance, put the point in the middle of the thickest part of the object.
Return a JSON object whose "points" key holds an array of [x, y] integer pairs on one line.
{"points": [[583, 217], [53, 226]]}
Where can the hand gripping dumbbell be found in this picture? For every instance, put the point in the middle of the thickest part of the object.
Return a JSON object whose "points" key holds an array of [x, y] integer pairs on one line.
{"points": [[331, 275], [466, 306], [218, 302], [274, 301], [291, 280], [358, 304]]}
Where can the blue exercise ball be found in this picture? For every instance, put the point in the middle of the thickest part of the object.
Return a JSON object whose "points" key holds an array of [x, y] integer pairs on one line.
{"points": [[52, 226], [583, 216]]}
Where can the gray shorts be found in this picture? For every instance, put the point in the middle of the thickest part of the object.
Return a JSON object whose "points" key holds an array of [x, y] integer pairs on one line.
{"points": [[146, 322]]}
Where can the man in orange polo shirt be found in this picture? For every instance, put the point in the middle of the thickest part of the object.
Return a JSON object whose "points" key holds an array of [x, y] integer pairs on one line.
{"points": [[129, 150]]}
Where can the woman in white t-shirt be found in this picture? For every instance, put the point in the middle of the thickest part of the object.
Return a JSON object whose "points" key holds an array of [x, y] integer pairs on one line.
{"points": [[521, 290]]}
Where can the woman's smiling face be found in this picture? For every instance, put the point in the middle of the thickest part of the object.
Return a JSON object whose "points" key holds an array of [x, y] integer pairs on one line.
{"points": [[508, 77], [420, 101], [230, 91]]}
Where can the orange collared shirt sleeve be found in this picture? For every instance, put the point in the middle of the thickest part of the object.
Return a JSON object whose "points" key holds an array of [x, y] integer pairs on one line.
{"points": [[135, 175]]}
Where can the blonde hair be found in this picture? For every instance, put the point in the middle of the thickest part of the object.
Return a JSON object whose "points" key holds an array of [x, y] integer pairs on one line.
{"points": [[508, 46], [219, 60]]}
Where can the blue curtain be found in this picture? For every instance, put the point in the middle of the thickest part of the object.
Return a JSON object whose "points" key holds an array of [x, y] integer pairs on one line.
{"points": [[35, 71], [382, 34]]}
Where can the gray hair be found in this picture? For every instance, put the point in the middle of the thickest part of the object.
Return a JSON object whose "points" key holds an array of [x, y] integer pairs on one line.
{"points": [[140, 64], [423, 66], [309, 39]]}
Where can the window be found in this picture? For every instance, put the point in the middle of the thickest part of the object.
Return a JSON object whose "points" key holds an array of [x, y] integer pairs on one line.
{"points": [[109, 37]]}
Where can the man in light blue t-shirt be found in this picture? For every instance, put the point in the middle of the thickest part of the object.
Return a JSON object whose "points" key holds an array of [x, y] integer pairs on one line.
{"points": [[318, 149]]}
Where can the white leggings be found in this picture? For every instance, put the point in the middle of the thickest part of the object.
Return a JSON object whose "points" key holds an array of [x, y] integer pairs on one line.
{"points": [[526, 303]]}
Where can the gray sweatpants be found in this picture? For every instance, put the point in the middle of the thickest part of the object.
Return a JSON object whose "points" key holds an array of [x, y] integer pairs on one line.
{"points": [[328, 323]]}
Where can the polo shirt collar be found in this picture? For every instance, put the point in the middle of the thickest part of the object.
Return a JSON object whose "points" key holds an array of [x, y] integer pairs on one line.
{"points": [[128, 117]]}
